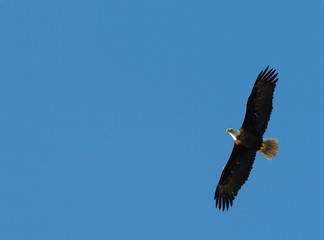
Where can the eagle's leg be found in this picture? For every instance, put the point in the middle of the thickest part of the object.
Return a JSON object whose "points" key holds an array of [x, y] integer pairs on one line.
{"points": [[263, 147]]}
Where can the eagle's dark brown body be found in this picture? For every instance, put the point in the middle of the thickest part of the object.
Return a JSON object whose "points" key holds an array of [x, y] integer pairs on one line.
{"points": [[248, 140]]}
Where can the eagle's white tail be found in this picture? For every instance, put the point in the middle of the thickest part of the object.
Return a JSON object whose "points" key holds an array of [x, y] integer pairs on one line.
{"points": [[270, 148]]}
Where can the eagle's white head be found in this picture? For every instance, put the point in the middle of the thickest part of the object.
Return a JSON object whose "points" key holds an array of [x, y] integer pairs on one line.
{"points": [[234, 133]]}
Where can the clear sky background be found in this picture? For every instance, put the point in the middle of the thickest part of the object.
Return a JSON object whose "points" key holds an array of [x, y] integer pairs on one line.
{"points": [[113, 118]]}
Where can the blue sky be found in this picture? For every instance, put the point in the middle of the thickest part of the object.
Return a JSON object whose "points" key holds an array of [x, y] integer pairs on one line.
{"points": [[113, 118]]}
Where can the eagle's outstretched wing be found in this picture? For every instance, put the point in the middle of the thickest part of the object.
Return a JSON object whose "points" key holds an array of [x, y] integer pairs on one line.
{"points": [[259, 103], [234, 175]]}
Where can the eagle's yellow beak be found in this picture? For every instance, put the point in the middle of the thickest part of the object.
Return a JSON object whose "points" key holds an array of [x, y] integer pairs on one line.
{"points": [[227, 130]]}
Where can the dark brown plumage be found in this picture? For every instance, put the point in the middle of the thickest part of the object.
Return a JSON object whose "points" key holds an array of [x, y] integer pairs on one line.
{"points": [[259, 103], [248, 140]]}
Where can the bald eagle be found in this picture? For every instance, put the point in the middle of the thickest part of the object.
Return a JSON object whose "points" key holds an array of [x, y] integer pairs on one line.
{"points": [[248, 140]]}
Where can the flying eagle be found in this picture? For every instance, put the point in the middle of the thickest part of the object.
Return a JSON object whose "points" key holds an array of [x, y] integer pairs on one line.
{"points": [[248, 140]]}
